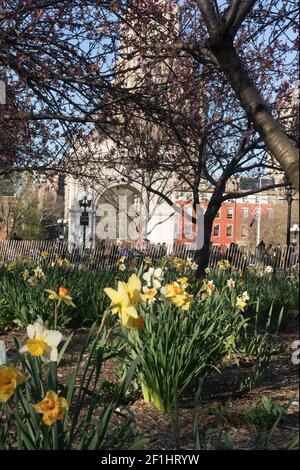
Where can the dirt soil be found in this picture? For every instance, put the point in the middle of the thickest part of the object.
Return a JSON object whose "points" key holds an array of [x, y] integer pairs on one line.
{"points": [[280, 384]]}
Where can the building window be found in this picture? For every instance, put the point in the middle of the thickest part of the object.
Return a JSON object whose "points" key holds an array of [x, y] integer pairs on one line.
{"points": [[216, 230], [244, 231], [218, 215], [188, 230], [177, 233], [270, 213], [245, 213], [230, 213], [229, 231]]}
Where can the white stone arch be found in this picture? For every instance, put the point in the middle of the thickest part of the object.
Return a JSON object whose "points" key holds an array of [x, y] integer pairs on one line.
{"points": [[126, 201]]}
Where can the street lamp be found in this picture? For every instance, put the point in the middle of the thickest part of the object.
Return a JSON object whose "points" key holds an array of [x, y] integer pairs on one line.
{"points": [[289, 192], [62, 223], [84, 201]]}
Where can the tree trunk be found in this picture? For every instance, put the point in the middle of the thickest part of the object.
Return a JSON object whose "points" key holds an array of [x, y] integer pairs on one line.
{"points": [[202, 255], [277, 141]]}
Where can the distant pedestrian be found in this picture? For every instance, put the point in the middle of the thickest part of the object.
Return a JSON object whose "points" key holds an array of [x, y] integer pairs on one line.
{"points": [[261, 250]]}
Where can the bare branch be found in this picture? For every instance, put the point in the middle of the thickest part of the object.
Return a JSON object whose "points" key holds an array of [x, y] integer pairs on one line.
{"points": [[243, 11], [210, 16]]}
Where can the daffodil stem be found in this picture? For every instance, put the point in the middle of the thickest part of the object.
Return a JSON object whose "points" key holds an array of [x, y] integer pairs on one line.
{"points": [[108, 335], [54, 437], [105, 315], [55, 315]]}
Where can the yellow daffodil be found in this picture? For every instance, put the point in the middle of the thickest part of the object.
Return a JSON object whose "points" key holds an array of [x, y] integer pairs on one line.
{"points": [[25, 274], [150, 294], [183, 301], [171, 290], [183, 281], [44, 254], [148, 260], [194, 266], [42, 342], [62, 295], [224, 264], [122, 267], [11, 266], [33, 281], [38, 272], [230, 283], [9, 379], [240, 303], [179, 263], [62, 262], [176, 294], [209, 287], [133, 288], [52, 407], [121, 304], [122, 259], [207, 270]]}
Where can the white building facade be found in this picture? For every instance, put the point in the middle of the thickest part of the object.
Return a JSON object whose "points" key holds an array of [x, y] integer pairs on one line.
{"points": [[120, 209]]}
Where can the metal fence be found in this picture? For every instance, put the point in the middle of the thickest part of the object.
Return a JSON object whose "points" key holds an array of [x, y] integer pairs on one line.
{"points": [[107, 255]]}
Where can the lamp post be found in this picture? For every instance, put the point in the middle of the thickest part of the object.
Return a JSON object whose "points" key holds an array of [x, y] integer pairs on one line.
{"points": [[62, 223], [289, 192], [84, 201]]}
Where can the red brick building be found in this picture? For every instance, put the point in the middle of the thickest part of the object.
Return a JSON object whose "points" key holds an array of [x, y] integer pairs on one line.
{"points": [[236, 222]]}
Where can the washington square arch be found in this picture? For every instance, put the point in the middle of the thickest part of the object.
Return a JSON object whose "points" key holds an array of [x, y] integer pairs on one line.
{"points": [[120, 208]]}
